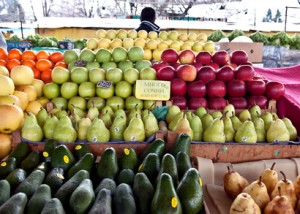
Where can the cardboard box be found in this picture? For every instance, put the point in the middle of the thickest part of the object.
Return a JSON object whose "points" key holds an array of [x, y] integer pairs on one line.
{"points": [[254, 50]]}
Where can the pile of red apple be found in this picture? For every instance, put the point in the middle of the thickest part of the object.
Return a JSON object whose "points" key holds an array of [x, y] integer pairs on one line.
{"points": [[210, 80]]}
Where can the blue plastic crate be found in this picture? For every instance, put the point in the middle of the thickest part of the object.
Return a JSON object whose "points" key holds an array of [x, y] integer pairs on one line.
{"points": [[24, 45]]}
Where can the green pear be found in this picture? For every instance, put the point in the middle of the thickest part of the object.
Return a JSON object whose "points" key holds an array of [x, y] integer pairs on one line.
{"points": [[196, 126], [246, 133], [183, 126], [236, 123], [136, 112], [107, 109], [255, 111], [274, 115], [64, 131], [268, 118], [206, 120], [31, 129], [49, 126], [97, 132], [75, 118], [135, 131], [173, 110], [200, 112], [291, 128], [150, 124], [120, 112], [54, 111], [78, 111], [83, 127], [147, 112], [106, 118], [245, 115], [228, 129], [92, 113], [189, 114], [277, 132], [61, 113], [216, 114], [117, 128], [229, 110], [175, 119], [215, 132], [41, 116], [259, 125]]}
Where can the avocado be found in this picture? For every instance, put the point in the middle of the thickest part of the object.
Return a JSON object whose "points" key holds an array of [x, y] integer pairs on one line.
{"points": [[80, 150], [53, 206], [150, 166], [31, 183], [165, 199], [38, 200], [49, 148], [62, 157], [102, 204], [31, 161], [183, 163], [20, 152], [123, 200], [126, 176], [108, 164], [128, 159], [190, 192], [15, 204], [45, 167], [143, 192], [86, 162], [168, 165], [158, 147], [183, 144], [83, 197], [4, 191], [16, 177], [55, 179], [65, 191], [7, 166], [106, 183]]}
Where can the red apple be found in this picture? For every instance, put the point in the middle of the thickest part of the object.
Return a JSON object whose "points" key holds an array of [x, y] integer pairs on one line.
{"points": [[175, 65], [196, 102], [238, 102], [186, 72], [261, 101], [169, 55], [236, 88], [232, 65], [196, 89], [166, 73], [197, 65], [179, 101], [256, 87], [203, 57], [239, 57], [214, 65], [274, 90], [206, 73], [225, 73], [159, 65], [244, 72], [218, 103], [221, 57], [178, 87], [216, 88], [186, 56]]}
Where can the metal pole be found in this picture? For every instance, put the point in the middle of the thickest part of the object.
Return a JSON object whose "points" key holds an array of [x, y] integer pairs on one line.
{"points": [[285, 20], [22, 30]]}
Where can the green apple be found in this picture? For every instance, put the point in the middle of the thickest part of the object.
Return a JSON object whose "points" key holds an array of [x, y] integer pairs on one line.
{"points": [[60, 102], [107, 65], [148, 74], [91, 65], [87, 90], [51, 90], [69, 90], [114, 75], [60, 75], [97, 102], [135, 53], [131, 75], [132, 102], [96, 74], [79, 75], [125, 65], [70, 56], [123, 89], [87, 55], [105, 93], [119, 54], [115, 103], [103, 55], [77, 101], [72, 65], [142, 64]]}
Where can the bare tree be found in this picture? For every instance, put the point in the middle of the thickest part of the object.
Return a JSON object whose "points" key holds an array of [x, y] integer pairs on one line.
{"points": [[47, 4]]}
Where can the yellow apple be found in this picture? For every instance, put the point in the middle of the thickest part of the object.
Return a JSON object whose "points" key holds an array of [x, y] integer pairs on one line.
{"points": [[139, 42], [152, 35], [121, 34], [164, 35], [209, 46], [111, 34], [183, 37], [202, 37], [192, 36], [92, 43], [156, 55], [151, 44], [103, 43], [173, 35], [198, 46], [101, 33], [147, 54], [128, 43], [142, 34], [132, 34], [115, 43], [186, 46], [175, 45], [163, 45]]}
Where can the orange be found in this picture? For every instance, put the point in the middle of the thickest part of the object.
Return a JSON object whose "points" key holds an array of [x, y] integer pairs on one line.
{"points": [[56, 57], [36, 73], [10, 64], [2, 62], [43, 65], [14, 54], [3, 53], [61, 64], [42, 54], [46, 76], [28, 55], [29, 63]]}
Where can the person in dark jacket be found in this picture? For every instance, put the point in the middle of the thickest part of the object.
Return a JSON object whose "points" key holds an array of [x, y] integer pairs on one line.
{"points": [[147, 18]]}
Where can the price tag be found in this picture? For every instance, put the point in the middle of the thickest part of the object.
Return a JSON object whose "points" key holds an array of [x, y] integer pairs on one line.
{"points": [[3, 164], [152, 90], [45, 154], [126, 151], [66, 159], [174, 202], [140, 167], [104, 84], [78, 147]]}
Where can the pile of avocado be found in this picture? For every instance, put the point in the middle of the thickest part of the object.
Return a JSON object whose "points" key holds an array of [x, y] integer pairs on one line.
{"points": [[57, 180]]}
